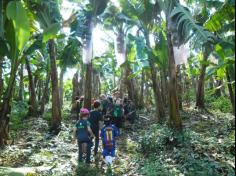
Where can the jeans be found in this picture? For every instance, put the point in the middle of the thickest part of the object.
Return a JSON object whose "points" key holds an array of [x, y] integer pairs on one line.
{"points": [[88, 151]]}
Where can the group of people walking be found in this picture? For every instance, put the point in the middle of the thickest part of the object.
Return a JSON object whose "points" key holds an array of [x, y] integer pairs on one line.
{"points": [[104, 122]]}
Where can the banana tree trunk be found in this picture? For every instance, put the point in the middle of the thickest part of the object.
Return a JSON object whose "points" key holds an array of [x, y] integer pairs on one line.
{"points": [[39, 90], [88, 86], [200, 96], [132, 91], [218, 92], [75, 87], [96, 85], [231, 92], [122, 83], [5, 108], [87, 59], [1, 77], [56, 111], [179, 87], [61, 89], [33, 103], [175, 119], [164, 87], [21, 90], [45, 96], [99, 84], [186, 87], [211, 83], [81, 82], [160, 111], [141, 100]]}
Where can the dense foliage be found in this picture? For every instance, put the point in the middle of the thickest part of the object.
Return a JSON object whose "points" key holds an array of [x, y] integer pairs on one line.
{"points": [[175, 59]]}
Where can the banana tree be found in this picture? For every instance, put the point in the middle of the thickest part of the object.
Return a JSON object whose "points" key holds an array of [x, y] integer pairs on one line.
{"points": [[222, 17], [68, 58], [225, 68], [145, 13], [18, 33], [86, 23], [28, 53], [180, 22], [221, 22], [120, 24], [48, 15]]}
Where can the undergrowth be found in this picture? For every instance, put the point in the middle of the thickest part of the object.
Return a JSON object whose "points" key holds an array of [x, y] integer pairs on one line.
{"points": [[202, 149], [212, 102], [18, 114], [85, 170]]}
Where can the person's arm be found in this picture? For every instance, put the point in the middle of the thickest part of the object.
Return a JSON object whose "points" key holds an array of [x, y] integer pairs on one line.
{"points": [[116, 131], [91, 132], [100, 119]]}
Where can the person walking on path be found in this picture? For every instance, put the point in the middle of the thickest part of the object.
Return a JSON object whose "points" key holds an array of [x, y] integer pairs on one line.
{"points": [[96, 120], [109, 134], [83, 133]]}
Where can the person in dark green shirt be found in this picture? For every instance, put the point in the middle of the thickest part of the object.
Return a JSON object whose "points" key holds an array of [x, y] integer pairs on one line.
{"points": [[118, 113], [104, 104]]}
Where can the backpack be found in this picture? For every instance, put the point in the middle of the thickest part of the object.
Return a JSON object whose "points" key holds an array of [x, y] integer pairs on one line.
{"points": [[82, 131], [109, 138]]}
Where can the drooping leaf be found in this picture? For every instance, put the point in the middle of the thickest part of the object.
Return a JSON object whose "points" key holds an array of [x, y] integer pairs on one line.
{"points": [[51, 32], [221, 17], [17, 13], [38, 44], [11, 40], [186, 23]]}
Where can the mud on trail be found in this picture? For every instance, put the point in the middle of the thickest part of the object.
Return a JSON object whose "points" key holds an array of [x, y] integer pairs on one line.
{"points": [[36, 152]]}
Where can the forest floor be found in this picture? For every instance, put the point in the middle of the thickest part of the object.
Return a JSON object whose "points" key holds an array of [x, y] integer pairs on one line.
{"points": [[36, 153]]}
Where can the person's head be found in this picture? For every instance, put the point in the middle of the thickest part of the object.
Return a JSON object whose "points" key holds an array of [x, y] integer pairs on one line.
{"points": [[81, 98], [125, 100], [96, 104], [107, 119], [118, 102], [102, 97], [76, 98], [110, 99], [84, 113], [116, 94]]}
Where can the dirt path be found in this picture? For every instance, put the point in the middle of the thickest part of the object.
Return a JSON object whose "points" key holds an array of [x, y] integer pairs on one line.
{"points": [[38, 153]]}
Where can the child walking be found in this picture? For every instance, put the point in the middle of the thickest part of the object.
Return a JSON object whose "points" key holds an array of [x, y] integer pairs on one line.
{"points": [[83, 133], [109, 133], [95, 120]]}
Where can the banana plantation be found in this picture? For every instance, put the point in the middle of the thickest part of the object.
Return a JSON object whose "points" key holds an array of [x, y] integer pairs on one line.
{"points": [[152, 82]]}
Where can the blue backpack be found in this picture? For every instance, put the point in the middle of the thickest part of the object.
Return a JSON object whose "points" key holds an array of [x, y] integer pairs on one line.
{"points": [[82, 131]]}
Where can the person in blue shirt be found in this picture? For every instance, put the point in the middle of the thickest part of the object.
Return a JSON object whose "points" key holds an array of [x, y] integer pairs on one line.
{"points": [[83, 133], [109, 133]]}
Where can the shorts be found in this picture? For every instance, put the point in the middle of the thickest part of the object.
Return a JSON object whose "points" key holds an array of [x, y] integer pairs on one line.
{"points": [[109, 152]]}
